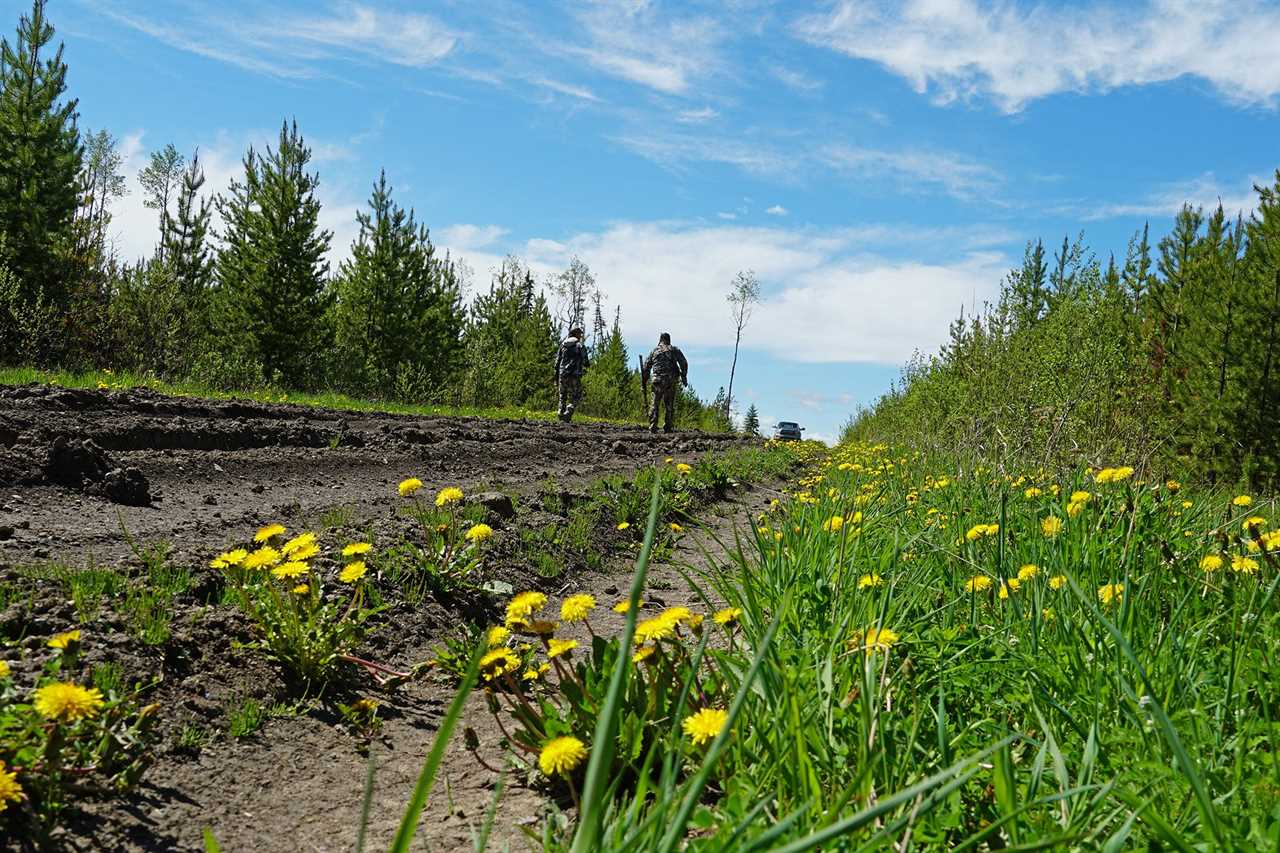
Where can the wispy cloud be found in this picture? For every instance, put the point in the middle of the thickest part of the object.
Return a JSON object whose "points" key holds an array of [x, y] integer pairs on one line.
{"points": [[1014, 52], [349, 31], [777, 210], [697, 116], [572, 91], [678, 151], [796, 80], [916, 170], [1204, 191]]}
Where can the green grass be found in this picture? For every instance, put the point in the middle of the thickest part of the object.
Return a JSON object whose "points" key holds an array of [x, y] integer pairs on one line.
{"points": [[878, 697], [246, 718], [329, 400]]}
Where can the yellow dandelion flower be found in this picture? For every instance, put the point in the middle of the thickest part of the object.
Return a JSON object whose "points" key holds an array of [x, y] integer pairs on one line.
{"points": [[10, 790], [682, 468], [479, 532], [1210, 563], [561, 755], [976, 532], [1104, 476], [576, 608], [66, 702], [643, 654], [978, 583], [676, 528], [1008, 586], [1241, 500], [1057, 581], [410, 486], [297, 543], [624, 606], [1110, 592], [301, 589], [1244, 565], [263, 558], [1253, 521], [291, 569], [1121, 474], [524, 605], [497, 636], [1047, 614], [879, 639], [1033, 492], [63, 640], [1172, 485], [535, 627], [353, 572], [304, 552], [1051, 526], [1081, 497], [448, 495], [869, 581], [654, 629], [705, 725], [833, 524], [535, 673], [4, 669], [498, 663], [355, 549], [728, 616], [1027, 572], [227, 559], [624, 525], [555, 648], [269, 532]]}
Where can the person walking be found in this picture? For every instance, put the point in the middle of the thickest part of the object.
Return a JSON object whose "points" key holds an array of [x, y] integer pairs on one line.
{"points": [[571, 363], [664, 367]]}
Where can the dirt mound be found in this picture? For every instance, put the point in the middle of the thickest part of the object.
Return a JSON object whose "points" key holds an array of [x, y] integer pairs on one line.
{"points": [[78, 464]]}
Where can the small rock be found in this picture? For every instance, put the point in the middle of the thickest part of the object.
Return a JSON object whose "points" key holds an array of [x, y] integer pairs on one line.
{"points": [[23, 525], [40, 553], [210, 500], [258, 488], [611, 590], [6, 532], [619, 447]]}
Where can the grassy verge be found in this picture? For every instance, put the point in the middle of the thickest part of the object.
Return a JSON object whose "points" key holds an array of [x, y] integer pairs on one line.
{"points": [[101, 379], [928, 659]]}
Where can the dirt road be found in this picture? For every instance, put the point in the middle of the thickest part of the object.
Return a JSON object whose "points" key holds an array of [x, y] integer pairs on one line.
{"points": [[201, 472]]}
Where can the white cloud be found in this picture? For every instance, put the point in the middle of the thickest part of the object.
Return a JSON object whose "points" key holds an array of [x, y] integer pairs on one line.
{"points": [[349, 31], [635, 41], [1204, 191], [828, 296], [1015, 52], [676, 151], [464, 237], [567, 89], [698, 116], [796, 80], [727, 216], [915, 170], [777, 210]]}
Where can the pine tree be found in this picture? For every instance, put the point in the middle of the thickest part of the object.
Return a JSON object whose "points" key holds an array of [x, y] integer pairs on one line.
{"points": [[399, 315], [751, 422], [1026, 287], [1260, 326], [271, 270], [185, 247], [40, 163], [510, 342]]}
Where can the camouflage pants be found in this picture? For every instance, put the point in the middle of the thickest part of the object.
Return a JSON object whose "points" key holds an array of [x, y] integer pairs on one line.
{"points": [[664, 394], [570, 395]]}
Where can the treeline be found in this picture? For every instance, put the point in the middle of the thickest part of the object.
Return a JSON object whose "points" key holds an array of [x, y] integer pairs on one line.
{"points": [[1171, 358], [238, 293]]}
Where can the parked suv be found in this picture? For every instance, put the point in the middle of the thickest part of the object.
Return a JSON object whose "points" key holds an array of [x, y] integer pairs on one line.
{"points": [[788, 431]]}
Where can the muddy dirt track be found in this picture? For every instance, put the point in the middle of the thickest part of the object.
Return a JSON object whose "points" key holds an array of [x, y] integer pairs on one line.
{"points": [[76, 464]]}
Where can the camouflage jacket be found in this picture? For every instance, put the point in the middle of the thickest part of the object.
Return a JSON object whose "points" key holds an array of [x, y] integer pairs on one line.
{"points": [[572, 360], [665, 365]]}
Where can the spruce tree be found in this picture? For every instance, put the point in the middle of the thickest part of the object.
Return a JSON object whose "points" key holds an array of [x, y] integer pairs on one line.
{"points": [[398, 316], [40, 162], [186, 243], [510, 342], [1261, 327], [751, 422], [271, 270]]}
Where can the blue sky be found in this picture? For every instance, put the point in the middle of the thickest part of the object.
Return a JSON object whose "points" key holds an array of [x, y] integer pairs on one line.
{"points": [[877, 164]]}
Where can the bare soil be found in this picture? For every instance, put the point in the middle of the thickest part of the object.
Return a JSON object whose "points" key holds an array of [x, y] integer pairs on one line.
{"points": [[79, 469]]}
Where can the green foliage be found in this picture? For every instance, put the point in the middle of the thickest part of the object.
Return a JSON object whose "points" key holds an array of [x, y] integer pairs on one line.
{"points": [[398, 315], [246, 718], [751, 422], [40, 165], [1169, 360], [62, 741], [271, 295]]}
